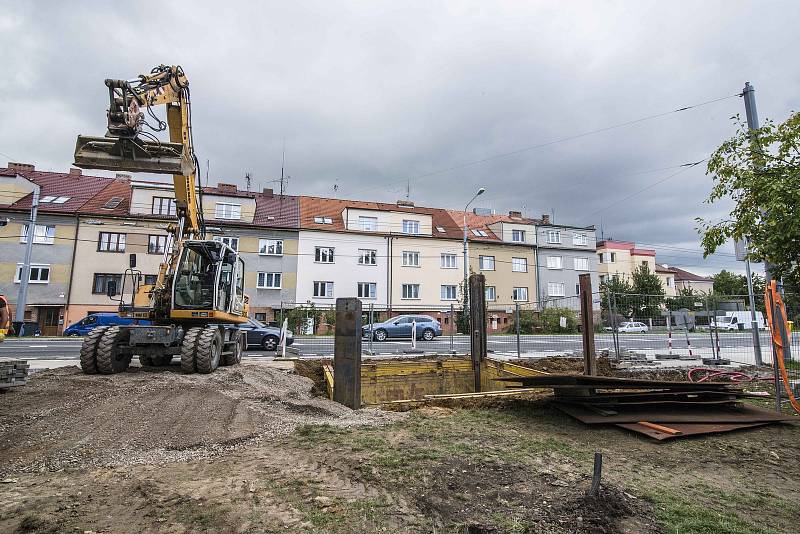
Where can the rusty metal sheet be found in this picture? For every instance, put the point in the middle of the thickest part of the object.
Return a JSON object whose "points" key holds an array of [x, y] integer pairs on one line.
{"points": [[743, 413], [607, 382], [687, 429]]}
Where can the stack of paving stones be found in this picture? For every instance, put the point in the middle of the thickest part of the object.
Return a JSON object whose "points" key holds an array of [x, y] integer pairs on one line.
{"points": [[13, 372]]}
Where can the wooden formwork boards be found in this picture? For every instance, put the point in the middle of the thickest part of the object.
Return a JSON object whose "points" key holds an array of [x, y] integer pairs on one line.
{"points": [[400, 380]]}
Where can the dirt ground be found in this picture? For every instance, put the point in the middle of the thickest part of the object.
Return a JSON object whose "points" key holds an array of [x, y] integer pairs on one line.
{"points": [[250, 449]]}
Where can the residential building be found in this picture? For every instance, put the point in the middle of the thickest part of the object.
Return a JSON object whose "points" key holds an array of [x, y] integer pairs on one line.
{"points": [[61, 196], [564, 253], [695, 282], [667, 274], [621, 258]]}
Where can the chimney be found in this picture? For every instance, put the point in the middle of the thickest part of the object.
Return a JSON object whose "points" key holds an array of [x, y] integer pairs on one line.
{"points": [[227, 188], [517, 214], [21, 166], [545, 218], [267, 192], [405, 204], [75, 172], [123, 176]]}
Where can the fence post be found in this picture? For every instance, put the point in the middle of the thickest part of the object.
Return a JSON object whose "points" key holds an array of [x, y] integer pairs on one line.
{"points": [[347, 353], [669, 331], [615, 333], [477, 323], [710, 333], [371, 321], [452, 326], [516, 321], [587, 324]]}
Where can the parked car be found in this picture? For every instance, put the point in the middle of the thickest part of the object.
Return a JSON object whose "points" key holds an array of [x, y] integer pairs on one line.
{"points": [[266, 337], [90, 322], [400, 327], [25, 329], [630, 326]]}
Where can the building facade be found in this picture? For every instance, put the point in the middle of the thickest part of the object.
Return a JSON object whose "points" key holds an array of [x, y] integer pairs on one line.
{"points": [[621, 258], [564, 253]]}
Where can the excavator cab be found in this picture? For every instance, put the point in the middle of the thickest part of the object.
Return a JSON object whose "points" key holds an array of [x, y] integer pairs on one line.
{"points": [[210, 277]]}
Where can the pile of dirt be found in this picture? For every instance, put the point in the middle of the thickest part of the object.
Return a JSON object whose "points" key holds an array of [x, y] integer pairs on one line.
{"points": [[565, 365], [65, 419], [312, 369]]}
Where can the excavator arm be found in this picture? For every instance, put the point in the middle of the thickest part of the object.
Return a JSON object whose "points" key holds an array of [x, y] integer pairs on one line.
{"points": [[128, 147]]}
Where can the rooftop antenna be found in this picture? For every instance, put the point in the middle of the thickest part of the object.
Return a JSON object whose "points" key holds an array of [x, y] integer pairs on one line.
{"points": [[408, 189], [283, 164], [208, 166], [602, 234], [247, 181]]}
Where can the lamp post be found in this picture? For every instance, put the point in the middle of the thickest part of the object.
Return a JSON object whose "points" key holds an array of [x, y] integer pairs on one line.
{"points": [[466, 271]]}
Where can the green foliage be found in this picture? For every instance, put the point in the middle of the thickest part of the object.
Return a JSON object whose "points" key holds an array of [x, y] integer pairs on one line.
{"points": [[296, 317], [728, 283], [650, 292], [760, 172], [685, 299], [616, 286], [547, 321]]}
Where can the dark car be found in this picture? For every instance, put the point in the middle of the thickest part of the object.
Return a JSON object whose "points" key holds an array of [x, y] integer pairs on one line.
{"points": [[400, 326], [266, 337], [25, 329]]}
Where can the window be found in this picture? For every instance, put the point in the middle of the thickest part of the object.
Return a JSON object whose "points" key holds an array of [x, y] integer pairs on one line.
{"points": [[644, 263], [323, 290], [670, 282], [486, 263], [607, 257], [323, 220], [449, 261], [163, 206], [101, 281], [111, 242], [270, 247], [410, 259], [577, 289], [367, 256], [368, 224], [519, 293], [224, 210], [491, 293], [150, 279], [323, 255], [232, 242], [440, 229], [53, 199], [269, 281], [367, 290], [42, 235], [555, 289], [410, 227], [480, 233], [156, 244], [61, 200], [40, 273], [449, 292], [581, 264], [554, 262], [518, 236], [111, 203], [580, 240], [410, 291], [519, 265], [47, 199], [554, 236]]}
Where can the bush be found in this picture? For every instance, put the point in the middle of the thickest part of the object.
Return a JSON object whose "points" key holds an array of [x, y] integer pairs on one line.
{"points": [[547, 321]]}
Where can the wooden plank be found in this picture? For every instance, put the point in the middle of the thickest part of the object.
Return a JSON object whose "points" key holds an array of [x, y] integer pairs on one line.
{"points": [[477, 324], [660, 428]]}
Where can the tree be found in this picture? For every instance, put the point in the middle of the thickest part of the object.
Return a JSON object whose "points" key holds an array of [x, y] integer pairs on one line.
{"points": [[649, 292], [728, 283], [616, 291], [760, 172], [685, 299]]}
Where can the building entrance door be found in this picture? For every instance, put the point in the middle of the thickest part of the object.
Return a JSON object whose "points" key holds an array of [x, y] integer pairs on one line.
{"points": [[48, 320]]}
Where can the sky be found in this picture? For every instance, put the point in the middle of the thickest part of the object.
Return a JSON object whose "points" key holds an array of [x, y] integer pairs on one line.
{"points": [[430, 100]]}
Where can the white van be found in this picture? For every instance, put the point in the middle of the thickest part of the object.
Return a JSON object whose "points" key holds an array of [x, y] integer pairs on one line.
{"points": [[738, 320]]}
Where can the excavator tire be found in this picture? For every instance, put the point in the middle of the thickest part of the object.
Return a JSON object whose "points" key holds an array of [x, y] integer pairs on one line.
{"points": [[89, 350], [189, 349], [209, 350], [109, 359], [235, 357]]}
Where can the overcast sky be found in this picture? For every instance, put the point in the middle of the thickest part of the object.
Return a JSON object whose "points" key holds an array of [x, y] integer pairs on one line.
{"points": [[372, 96]]}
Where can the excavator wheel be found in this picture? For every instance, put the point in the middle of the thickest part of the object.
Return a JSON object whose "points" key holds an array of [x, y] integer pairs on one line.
{"points": [[209, 350], [89, 350], [109, 358], [235, 357], [189, 349]]}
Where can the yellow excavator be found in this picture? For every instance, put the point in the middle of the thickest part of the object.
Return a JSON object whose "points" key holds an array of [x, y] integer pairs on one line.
{"points": [[198, 298]]}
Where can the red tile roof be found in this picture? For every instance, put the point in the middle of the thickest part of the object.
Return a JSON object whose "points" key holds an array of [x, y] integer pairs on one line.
{"points": [[78, 187], [681, 275], [276, 210]]}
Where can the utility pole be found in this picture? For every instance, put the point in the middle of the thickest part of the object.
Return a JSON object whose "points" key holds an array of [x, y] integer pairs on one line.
{"points": [[25, 275], [749, 95]]}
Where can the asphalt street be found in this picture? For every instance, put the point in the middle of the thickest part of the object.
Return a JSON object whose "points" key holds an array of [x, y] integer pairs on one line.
{"points": [[312, 346]]}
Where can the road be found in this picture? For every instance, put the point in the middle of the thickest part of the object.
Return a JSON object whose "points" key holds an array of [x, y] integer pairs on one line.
{"points": [[313, 346]]}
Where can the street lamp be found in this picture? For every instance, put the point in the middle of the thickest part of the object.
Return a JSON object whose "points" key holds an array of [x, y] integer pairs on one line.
{"points": [[481, 191]]}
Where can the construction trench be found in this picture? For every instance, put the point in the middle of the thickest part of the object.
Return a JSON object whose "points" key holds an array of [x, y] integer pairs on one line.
{"points": [[659, 409]]}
